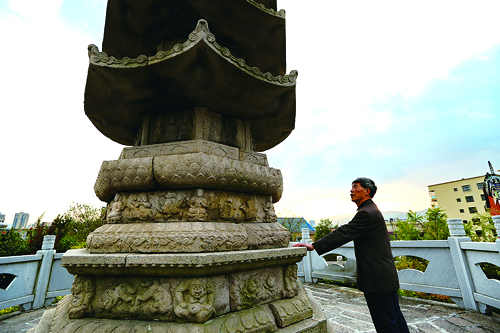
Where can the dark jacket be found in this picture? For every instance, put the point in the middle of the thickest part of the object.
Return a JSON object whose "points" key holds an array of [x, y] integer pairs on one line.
{"points": [[376, 272]]}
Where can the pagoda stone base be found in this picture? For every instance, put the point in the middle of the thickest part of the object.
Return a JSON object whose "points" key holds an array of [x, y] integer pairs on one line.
{"points": [[298, 314], [232, 291]]}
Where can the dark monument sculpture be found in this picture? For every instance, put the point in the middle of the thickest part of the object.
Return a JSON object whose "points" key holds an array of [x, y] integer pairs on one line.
{"points": [[197, 89]]}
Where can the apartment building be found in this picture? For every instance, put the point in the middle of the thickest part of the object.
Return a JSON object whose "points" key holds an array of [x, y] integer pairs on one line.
{"points": [[20, 220], [460, 198]]}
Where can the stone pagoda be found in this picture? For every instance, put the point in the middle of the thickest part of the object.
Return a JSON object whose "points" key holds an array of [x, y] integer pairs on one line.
{"points": [[196, 89]]}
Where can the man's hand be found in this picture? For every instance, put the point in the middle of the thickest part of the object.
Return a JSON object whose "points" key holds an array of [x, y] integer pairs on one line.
{"points": [[308, 246]]}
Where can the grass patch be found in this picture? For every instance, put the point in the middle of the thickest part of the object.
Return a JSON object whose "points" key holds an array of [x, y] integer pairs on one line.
{"points": [[9, 310]]}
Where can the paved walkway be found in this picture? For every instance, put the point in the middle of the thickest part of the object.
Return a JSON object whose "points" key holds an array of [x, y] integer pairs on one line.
{"points": [[347, 311]]}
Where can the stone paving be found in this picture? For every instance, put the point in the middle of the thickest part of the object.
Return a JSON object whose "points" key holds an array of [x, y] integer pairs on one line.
{"points": [[347, 312]]}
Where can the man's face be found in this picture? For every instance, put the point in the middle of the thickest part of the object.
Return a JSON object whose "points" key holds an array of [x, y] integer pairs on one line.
{"points": [[359, 194]]}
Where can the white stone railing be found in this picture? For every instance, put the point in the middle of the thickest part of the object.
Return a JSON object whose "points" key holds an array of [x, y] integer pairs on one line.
{"points": [[453, 267], [33, 281]]}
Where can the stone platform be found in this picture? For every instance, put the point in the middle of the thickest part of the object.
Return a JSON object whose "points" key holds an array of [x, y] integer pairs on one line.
{"points": [[346, 311]]}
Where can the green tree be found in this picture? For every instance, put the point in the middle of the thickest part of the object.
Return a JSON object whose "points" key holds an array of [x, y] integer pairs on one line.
{"points": [[481, 228], [430, 226], [77, 223], [70, 228], [408, 229], [324, 227], [12, 243], [435, 226]]}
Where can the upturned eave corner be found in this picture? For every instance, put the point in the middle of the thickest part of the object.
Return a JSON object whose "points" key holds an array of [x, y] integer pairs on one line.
{"points": [[200, 34], [280, 13]]}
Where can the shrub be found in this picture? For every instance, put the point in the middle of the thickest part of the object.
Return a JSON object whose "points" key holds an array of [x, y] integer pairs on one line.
{"points": [[13, 244]]}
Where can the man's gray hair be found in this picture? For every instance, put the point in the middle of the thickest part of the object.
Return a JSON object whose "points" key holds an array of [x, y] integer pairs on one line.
{"points": [[366, 183]]}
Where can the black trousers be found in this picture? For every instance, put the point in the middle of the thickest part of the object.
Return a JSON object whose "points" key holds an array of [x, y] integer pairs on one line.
{"points": [[385, 312]]}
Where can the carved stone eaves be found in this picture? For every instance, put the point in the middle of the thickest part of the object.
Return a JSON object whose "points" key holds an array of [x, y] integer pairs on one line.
{"points": [[224, 83], [200, 34]]}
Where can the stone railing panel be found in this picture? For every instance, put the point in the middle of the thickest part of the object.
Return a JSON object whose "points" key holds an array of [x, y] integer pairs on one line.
{"points": [[486, 291], [21, 289]]}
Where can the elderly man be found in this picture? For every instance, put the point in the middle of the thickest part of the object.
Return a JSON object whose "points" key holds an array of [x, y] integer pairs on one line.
{"points": [[376, 274]]}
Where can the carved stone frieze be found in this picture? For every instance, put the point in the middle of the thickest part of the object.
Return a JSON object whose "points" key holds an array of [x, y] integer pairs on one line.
{"points": [[194, 146], [252, 288], [266, 235], [83, 292], [195, 300], [186, 237], [255, 320], [190, 205], [146, 298], [291, 311], [167, 237]]}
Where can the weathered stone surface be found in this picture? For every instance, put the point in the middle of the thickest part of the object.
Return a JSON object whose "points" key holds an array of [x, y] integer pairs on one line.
{"points": [[82, 262], [196, 170], [256, 27], [190, 205], [291, 311], [138, 85], [148, 298], [196, 124], [258, 319], [124, 175], [252, 288], [185, 237], [194, 146], [209, 171]]}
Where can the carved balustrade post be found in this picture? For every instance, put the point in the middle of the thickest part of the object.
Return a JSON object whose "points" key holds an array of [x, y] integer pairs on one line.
{"points": [[457, 235]]}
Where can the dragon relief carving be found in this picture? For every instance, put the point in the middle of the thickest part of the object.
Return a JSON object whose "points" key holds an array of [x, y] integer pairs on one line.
{"points": [[195, 300], [83, 292], [120, 297], [156, 298]]}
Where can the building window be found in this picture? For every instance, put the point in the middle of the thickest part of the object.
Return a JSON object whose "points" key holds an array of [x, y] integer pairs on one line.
{"points": [[465, 188], [480, 186], [464, 221], [459, 200], [472, 210], [455, 189], [469, 198], [461, 210]]}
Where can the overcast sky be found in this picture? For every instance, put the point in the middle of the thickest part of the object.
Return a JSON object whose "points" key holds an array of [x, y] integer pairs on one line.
{"points": [[404, 92]]}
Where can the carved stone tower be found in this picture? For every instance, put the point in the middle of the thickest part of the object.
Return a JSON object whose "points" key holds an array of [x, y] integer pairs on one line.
{"points": [[196, 89]]}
